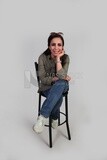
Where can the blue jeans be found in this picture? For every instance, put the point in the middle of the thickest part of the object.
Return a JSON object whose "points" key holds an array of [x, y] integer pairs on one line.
{"points": [[54, 98]]}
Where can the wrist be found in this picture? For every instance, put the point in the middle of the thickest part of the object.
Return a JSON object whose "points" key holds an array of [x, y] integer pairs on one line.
{"points": [[58, 61]]}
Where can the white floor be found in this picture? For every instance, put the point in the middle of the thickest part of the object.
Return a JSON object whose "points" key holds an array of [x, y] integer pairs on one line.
{"points": [[19, 142]]}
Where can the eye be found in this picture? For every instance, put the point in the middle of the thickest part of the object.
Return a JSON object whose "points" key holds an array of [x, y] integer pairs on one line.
{"points": [[53, 44], [59, 44]]}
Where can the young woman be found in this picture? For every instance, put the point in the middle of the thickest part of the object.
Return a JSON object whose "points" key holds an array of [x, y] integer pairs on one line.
{"points": [[52, 69]]}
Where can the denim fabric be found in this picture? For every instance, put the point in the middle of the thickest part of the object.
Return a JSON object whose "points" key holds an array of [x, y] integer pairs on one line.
{"points": [[54, 98]]}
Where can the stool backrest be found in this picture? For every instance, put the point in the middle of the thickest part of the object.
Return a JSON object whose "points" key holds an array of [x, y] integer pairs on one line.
{"points": [[37, 75]]}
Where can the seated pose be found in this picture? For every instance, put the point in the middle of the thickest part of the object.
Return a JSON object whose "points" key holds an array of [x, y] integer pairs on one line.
{"points": [[52, 70]]}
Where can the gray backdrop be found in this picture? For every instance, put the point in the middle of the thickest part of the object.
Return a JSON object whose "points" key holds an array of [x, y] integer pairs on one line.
{"points": [[24, 28]]}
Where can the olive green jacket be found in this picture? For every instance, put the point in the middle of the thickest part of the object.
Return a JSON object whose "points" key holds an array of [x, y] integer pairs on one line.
{"points": [[46, 70]]}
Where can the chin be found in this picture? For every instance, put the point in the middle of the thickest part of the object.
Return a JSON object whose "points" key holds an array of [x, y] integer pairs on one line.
{"points": [[54, 55]]}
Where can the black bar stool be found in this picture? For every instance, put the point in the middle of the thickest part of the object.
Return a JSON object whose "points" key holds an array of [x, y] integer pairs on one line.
{"points": [[50, 119]]}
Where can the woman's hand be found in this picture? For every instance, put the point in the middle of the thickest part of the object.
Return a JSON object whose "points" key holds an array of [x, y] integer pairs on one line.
{"points": [[55, 79], [68, 78], [60, 54]]}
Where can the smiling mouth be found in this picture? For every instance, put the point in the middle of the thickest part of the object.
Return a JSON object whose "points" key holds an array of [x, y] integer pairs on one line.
{"points": [[56, 51]]}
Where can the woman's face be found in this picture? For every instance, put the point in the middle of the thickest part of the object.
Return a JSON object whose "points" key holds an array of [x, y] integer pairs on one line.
{"points": [[56, 46]]}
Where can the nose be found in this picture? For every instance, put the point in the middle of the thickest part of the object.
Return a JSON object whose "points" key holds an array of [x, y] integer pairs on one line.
{"points": [[56, 46]]}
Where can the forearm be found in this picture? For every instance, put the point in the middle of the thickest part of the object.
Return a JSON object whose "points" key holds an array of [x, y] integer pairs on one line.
{"points": [[62, 73], [46, 80], [62, 67], [58, 64]]}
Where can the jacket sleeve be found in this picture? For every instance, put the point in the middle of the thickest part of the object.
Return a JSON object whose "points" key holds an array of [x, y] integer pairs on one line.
{"points": [[45, 78], [62, 73]]}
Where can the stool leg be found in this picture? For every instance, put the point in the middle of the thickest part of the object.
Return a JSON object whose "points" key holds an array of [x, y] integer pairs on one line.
{"points": [[68, 130], [59, 119], [50, 132], [66, 110], [39, 104]]}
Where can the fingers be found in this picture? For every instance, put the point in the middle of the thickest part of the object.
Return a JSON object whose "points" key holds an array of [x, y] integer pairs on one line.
{"points": [[55, 78], [61, 53], [68, 78]]}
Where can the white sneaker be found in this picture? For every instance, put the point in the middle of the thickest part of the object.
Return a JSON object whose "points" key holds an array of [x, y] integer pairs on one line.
{"points": [[39, 126], [54, 123]]}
